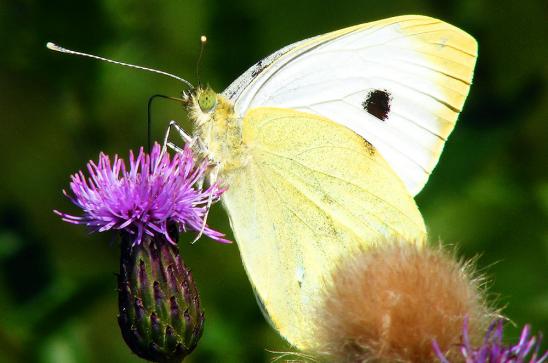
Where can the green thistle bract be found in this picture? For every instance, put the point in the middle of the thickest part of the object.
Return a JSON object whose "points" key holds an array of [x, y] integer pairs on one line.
{"points": [[160, 315]]}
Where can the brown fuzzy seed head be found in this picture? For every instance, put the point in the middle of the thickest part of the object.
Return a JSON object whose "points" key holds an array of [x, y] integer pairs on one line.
{"points": [[388, 303]]}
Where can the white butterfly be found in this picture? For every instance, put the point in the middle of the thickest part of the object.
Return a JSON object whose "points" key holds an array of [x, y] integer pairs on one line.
{"points": [[323, 145], [303, 192]]}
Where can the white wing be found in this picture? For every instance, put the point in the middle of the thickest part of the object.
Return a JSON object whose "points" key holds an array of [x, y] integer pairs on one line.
{"points": [[400, 83]]}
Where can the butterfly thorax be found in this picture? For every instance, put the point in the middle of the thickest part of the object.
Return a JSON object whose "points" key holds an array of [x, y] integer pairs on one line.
{"points": [[217, 130]]}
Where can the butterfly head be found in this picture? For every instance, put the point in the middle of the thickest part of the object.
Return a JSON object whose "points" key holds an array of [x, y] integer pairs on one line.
{"points": [[204, 105], [201, 103]]}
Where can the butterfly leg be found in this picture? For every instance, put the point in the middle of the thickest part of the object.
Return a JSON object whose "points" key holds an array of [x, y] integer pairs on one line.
{"points": [[213, 175], [166, 143], [191, 141], [194, 141], [186, 137]]}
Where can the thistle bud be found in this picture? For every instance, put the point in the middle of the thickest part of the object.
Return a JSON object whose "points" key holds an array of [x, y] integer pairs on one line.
{"points": [[160, 315]]}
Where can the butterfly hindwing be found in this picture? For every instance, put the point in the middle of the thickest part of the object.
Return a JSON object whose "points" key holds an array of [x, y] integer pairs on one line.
{"points": [[310, 192]]}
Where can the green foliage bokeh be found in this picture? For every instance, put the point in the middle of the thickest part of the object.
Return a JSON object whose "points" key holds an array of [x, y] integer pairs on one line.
{"points": [[488, 195]]}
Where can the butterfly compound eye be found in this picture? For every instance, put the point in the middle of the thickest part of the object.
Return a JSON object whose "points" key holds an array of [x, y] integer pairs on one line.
{"points": [[207, 100]]}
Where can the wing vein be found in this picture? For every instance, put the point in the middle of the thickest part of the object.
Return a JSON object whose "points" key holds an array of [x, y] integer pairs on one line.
{"points": [[322, 208], [334, 176]]}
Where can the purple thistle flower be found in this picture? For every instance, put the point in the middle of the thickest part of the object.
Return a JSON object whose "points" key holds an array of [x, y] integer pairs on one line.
{"points": [[494, 351], [147, 199]]}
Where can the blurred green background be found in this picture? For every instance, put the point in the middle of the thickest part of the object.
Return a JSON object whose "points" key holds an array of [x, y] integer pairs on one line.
{"points": [[488, 195]]}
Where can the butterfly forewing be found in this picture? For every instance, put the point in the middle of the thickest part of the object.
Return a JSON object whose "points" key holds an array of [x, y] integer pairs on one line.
{"points": [[400, 83]]}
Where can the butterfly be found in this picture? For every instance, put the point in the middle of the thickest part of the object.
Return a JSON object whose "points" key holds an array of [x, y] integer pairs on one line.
{"points": [[323, 146]]}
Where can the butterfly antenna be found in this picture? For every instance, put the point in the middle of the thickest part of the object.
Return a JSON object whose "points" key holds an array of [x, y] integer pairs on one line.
{"points": [[203, 41], [57, 48]]}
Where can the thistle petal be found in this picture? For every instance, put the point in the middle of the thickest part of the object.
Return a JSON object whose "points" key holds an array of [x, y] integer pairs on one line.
{"points": [[156, 191]]}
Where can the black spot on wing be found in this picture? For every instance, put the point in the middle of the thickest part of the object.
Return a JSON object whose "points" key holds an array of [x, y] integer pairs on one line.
{"points": [[257, 69], [377, 103]]}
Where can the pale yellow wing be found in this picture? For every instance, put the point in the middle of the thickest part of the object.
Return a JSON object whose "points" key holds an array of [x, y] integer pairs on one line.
{"points": [[310, 191], [422, 65]]}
